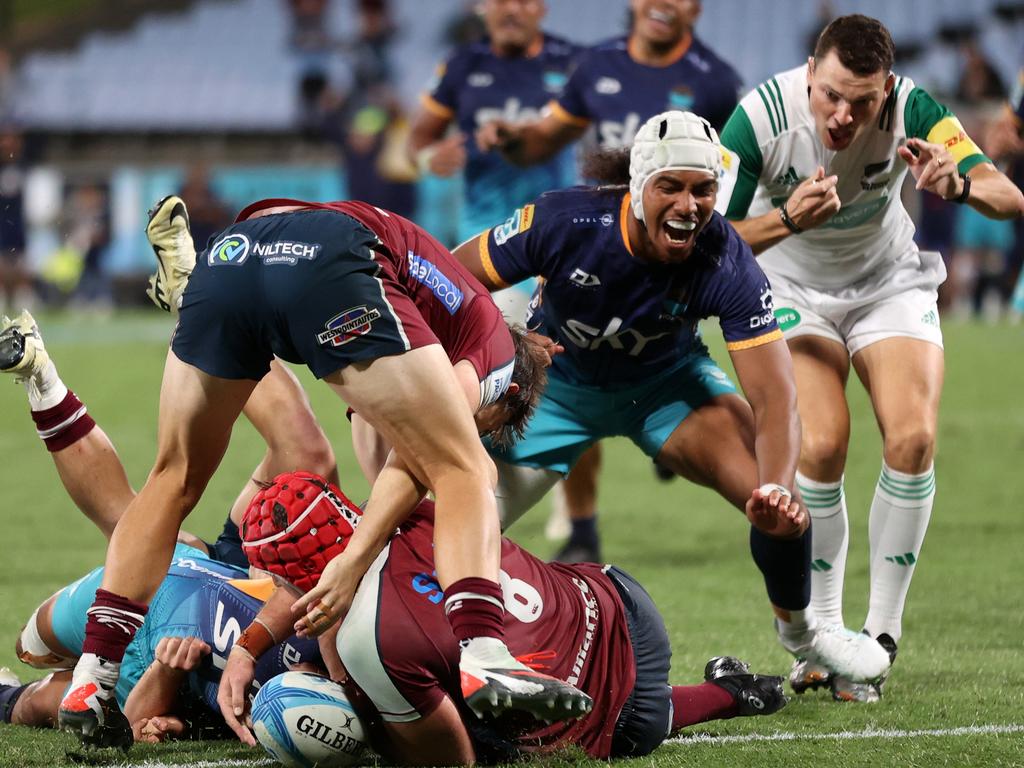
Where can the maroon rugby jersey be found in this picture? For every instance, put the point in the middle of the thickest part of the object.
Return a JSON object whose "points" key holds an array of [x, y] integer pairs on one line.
{"points": [[565, 620], [455, 306]]}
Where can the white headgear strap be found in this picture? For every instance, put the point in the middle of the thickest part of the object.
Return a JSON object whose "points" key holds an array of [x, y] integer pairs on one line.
{"points": [[671, 141]]}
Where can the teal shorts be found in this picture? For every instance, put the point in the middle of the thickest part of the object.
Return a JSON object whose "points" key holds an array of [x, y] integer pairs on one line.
{"points": [[572, 417]]}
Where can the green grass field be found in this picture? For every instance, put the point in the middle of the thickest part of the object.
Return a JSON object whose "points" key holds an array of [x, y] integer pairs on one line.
{"points": [[956, 696]]}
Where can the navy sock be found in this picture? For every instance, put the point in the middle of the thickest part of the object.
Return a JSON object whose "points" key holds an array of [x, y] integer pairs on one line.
{"points": [[786, 567], [9, 695], [584, 532]]}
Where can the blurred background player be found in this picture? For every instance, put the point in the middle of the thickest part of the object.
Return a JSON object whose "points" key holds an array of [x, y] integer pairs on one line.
{"points": [[851, 286], [616, 86], [597, 624]]}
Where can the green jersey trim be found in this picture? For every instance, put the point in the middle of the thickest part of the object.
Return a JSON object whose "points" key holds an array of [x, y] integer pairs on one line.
{"points": [[921, 113], [738, 136]]}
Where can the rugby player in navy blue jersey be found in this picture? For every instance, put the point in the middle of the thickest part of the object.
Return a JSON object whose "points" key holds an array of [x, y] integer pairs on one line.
{"points": [[616, 86], [510, 76], [627, 275]]}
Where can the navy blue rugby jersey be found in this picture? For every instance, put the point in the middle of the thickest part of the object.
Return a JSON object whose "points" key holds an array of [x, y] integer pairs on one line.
{"points": [[476, 86], [611, 90], [621, 319]]}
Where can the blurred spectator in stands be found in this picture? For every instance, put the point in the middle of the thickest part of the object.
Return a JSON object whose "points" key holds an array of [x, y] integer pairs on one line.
{"points": [[6, 85], [979, 80], [1004, 143], [208, 215], [466, 26], [368, 125], [979, 275], [15, 280], [822, 18], [312, 44], [76, 269]]}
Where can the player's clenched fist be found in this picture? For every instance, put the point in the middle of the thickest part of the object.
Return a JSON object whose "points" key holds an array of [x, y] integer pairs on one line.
{"points": [[182, 653], [815, 201]]}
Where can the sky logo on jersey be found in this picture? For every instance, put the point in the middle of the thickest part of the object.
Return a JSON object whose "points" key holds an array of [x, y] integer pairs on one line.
{"points": [[424, 271], [520, 221], [609, 86], [348, 325], [231, 249]]}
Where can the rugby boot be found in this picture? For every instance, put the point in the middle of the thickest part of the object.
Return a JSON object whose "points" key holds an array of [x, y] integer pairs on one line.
{"points": [[93, 715], [168, 233], [21, 347], [754, 694], [808, 675], [843, 652], [493, 681], [844, 689]]}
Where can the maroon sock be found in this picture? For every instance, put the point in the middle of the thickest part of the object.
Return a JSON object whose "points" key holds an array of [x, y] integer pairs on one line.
{"points": [[692, 704], [475, 608], [64, 424], [112, 623]]}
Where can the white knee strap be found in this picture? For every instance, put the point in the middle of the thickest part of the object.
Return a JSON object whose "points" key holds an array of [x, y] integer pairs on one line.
{"points": [[35, 652]]}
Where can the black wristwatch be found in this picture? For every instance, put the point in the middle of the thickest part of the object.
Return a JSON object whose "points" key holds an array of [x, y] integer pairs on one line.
{"points": [[966, 193]]}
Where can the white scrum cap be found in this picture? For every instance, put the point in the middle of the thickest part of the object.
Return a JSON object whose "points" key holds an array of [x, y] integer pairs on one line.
{"points": [[671, 141]]}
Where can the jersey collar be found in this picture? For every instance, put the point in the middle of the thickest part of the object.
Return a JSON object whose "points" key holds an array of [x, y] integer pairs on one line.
{"points": [[675, 55]]}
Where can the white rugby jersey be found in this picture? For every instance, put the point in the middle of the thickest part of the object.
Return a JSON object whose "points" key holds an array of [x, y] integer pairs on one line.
{"points": [[772, 146]]}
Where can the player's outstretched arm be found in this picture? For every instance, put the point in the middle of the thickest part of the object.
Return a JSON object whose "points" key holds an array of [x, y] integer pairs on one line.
{"points": [[766, 375], [987, 190], [155, 696], [440, 738]]}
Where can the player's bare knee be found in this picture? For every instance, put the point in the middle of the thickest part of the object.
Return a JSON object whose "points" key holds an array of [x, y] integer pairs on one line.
{"points": [[910, 450], [823, 454]]}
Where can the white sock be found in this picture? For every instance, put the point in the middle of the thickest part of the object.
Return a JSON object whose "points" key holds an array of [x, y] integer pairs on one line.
{"points": [[797, 634], [826, 504], [91, 668], [45, 389], [486, 649], [899, 518]]}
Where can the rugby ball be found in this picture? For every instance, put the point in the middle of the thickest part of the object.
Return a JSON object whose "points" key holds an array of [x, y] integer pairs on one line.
{"points": [[304, 720]]}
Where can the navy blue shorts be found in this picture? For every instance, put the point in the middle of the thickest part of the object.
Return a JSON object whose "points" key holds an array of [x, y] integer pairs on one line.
{"points": [[646, 717], [304, 286]]}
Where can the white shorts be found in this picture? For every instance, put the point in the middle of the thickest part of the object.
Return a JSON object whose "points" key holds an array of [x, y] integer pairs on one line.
{"points": [[899, 302]]}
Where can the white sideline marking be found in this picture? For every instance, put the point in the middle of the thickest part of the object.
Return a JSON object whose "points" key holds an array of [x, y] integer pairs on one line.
{"points": [[870, 733], [209, 763]]}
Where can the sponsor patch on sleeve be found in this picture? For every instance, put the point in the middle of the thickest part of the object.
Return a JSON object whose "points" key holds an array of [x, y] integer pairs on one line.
{"points": [[952, 136], [520, 221]]}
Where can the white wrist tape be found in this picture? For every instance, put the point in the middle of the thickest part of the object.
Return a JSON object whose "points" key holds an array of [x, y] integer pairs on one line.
{"points": [[767, 488]]}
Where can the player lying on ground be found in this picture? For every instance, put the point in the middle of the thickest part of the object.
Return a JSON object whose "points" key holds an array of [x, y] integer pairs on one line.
{"points": [[628, 271], [590, 625], [331, 286], [171, 669]]}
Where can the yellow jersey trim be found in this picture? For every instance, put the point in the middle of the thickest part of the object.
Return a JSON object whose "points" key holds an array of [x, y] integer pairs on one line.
{"points": [[623, 228], [488, 264], [757, 341], [435, 107]]}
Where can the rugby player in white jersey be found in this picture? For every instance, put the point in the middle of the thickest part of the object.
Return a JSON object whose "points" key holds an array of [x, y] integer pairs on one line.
{"points": [[818, 158]]}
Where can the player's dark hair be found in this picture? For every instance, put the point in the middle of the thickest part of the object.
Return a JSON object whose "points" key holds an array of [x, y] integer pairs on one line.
{"points": [[862, 44], [530, 373], [607, 166]]}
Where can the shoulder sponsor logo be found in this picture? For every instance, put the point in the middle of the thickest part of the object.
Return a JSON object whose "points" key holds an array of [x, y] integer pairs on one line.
{"points": [[608, 86], [787, 318], [348, 325], [426, 272], [553, 81], [520, 221], [480, 79], [230, 249], [584, 279], [285, 252], [680, 97]]}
